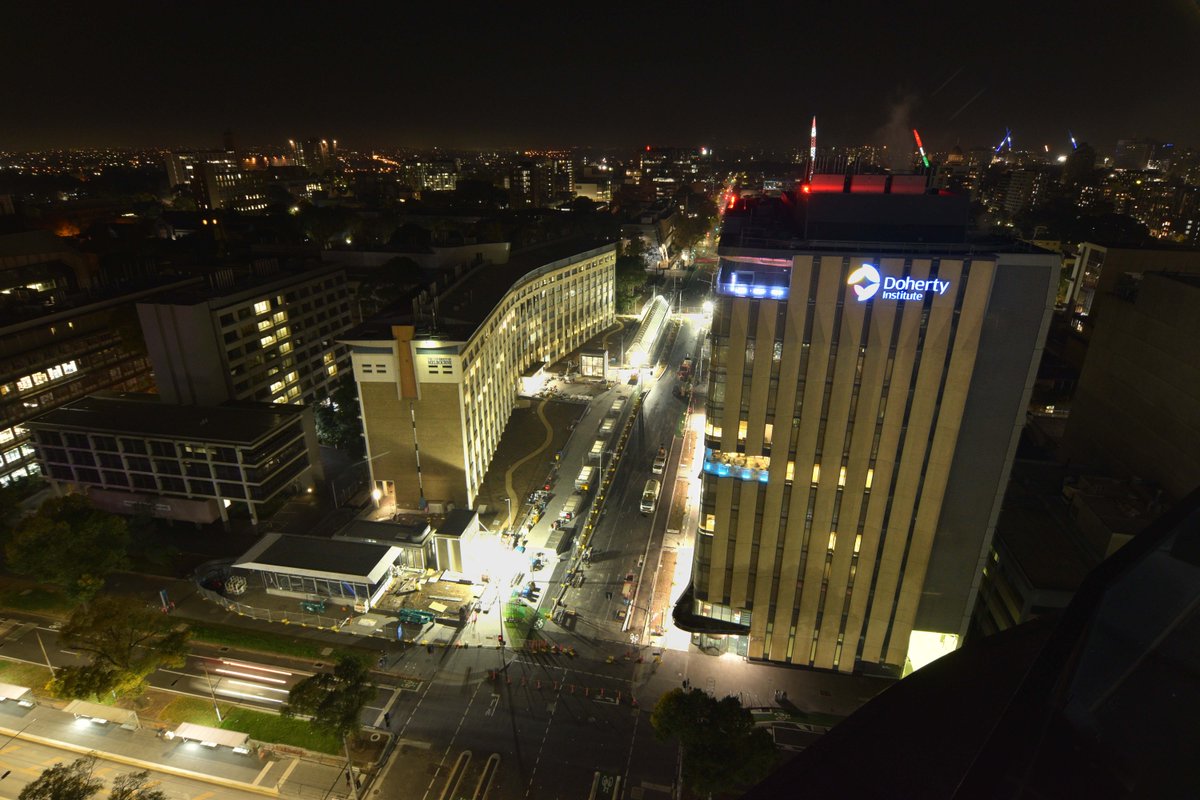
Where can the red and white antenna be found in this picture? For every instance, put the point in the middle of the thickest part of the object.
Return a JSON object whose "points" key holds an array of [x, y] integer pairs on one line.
{"points": [[812, 149]]}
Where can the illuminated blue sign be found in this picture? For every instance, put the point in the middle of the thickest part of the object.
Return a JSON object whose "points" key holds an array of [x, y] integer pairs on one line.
{"points": [[868, 282]]}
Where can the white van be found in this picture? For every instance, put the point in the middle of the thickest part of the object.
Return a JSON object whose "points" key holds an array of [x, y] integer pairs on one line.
{"points": [[650, 496]]}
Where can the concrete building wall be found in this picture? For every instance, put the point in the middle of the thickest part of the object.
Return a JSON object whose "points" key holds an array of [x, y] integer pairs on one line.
{"points": [[1137, 407], [866, 404], [461, 393], [183, 345]]}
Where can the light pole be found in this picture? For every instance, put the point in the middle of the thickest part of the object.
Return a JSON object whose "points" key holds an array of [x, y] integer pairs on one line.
{"points": [[212, 693], [508, 520]]}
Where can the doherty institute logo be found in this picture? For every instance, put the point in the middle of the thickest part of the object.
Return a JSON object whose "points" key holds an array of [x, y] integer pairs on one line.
{"points": [[865, 281], [868, 282]]}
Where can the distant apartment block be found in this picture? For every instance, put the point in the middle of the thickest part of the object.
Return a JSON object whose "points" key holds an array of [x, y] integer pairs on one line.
{"points": [[132, 453], [274, 341], [218, 180], [437, 389]]}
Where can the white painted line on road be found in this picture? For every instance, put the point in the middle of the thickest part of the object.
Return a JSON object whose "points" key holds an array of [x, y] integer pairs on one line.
{"points": [[245, 665], [262, 773], [386, 706], [258, 686], [248, 675]]}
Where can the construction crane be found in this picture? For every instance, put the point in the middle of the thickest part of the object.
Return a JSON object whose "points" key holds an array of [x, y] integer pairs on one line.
{"points": [[1006, 140], [921, 148]]}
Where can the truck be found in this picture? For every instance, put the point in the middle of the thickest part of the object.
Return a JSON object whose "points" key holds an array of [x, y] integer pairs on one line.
{"points": [[607, 427], [685, 369], [571, 508], [650, 495], [597, 451], [586, 478], [660, 461], [617, 407]]}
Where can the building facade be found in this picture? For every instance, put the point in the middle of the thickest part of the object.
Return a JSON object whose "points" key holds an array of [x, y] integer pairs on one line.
{"points": [[132, 453], [436, 391], [52, 359], [863, 408], [273, 342], [1136, 410]]}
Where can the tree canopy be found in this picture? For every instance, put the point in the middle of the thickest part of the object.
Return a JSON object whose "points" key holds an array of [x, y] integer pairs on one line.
{"points": [[71, 543], [75, 781], [127, 641], [332, 700], [722, 749], [338, 424]]}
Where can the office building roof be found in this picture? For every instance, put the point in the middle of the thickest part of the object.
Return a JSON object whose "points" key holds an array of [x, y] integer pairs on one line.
{"points": [[464, 307], [332, 559], [136, 414]]}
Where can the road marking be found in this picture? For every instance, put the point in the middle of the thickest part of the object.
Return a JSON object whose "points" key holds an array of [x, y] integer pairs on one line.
{"points": [[492, 706], [262, 773], [383, 711]]}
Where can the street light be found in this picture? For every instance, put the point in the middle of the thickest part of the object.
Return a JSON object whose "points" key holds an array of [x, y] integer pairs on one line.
{"points": [[376, 495], [211, 692]]}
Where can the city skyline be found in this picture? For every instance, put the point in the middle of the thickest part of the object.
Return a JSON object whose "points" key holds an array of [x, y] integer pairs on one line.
{"points": [[472, 82]]}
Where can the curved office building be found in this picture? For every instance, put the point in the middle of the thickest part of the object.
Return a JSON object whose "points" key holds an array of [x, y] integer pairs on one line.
{"points": [[437, 386]]}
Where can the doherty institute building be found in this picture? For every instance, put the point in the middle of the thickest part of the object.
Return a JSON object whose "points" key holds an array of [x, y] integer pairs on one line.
{"points": [[870, 370], [437, 384]]}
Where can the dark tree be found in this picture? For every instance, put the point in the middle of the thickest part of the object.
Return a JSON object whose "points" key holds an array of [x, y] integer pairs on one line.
{"points": [[723, 751], [333, 700], [72, 781], [127, 641], [71, 543]]}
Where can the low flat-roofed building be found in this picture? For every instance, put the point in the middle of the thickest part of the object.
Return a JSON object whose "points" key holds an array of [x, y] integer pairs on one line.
{"points": [[410, 534], [312, 568], [132, 453]]}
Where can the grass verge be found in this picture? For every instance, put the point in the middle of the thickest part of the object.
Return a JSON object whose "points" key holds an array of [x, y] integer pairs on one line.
{"points": [[19, 673], [239, 638], [36, 600], [260, 726]]}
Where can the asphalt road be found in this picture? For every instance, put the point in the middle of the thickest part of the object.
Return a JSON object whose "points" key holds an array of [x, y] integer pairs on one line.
{"points": [[21, 762], [624, 534], [550, 722], [259, 682]]}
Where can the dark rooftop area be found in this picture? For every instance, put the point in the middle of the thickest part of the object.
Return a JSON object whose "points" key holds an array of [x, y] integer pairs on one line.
{"points": [[144, 415], [465, 306], [229, 281], [315, 554], [844, 219], [414, 532], [456, 522]]}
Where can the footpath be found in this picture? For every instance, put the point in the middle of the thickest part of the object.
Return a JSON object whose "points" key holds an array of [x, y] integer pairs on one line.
{"points": [[263, 773]]}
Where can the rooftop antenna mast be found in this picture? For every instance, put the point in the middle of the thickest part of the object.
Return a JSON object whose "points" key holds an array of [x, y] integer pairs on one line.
{"points": [[812, 149]]}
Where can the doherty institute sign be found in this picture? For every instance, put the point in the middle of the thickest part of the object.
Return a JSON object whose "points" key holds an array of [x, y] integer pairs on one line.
{"points": [[869, 282]]}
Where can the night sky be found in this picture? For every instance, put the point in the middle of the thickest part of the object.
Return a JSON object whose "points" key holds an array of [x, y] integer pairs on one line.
{"points": [[595, 74]]}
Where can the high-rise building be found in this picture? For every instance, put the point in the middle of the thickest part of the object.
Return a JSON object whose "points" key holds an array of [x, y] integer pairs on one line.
{"points": [[218, 180], [437, 386], [870, 372], [273, 340], [316, 155]]}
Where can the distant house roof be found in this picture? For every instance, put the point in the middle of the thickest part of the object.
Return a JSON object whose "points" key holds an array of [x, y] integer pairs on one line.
{"points": [[33, 243], [332, 559], [144, 415]]}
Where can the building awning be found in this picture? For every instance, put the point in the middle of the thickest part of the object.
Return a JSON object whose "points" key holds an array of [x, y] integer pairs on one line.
{"points": [[207, 735], [10, 691], [121, 716]]}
